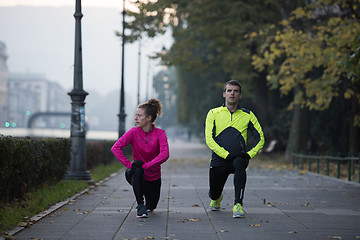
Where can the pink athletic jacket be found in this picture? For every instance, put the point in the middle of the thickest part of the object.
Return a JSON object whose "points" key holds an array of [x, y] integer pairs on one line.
{"points": [[152, 148]]}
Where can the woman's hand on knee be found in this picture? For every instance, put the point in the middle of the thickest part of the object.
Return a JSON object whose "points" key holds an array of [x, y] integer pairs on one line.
{"points": [[137, 164]]}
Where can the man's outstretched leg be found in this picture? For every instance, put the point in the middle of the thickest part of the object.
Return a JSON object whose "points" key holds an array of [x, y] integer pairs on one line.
{"points": [[240, 165]]}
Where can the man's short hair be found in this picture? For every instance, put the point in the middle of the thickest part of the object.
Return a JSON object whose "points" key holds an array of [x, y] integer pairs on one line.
{"points": [[232, 82]]}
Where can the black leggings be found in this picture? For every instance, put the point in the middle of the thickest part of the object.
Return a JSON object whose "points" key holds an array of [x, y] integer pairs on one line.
{"points": [[149, 189], [219, 174]]}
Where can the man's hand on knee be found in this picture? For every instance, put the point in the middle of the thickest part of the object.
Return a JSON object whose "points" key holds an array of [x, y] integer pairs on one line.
{"points": [[244, 155]]}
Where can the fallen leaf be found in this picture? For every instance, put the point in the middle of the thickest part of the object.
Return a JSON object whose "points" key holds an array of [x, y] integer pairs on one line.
{"points": [[9, 237], [149, 237], [24, 224], [195, 205], [193, 219], [306, 205], [291, 232], [223, 230], [254, 225], [87, 212], [180, 221], [335, 237], [302, 172]]}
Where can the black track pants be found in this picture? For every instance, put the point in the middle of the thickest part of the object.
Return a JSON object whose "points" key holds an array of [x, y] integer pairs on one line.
{"points": [[219, 174], [148, 189]]}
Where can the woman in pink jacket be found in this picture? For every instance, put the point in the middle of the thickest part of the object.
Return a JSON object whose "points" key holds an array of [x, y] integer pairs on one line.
{"points": [[150, 150]]}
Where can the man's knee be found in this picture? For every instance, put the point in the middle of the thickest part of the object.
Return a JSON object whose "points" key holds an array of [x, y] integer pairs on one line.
{"points": [[240, 163]]}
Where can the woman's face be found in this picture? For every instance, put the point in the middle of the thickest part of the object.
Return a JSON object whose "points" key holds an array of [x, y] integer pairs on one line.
{"points": [[141, 119]]}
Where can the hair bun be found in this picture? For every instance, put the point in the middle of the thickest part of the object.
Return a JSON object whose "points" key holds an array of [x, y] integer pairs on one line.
{"points": [[157, 104]]}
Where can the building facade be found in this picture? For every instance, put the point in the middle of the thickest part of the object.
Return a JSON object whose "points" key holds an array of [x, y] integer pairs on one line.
{"points": [[29, 94]]}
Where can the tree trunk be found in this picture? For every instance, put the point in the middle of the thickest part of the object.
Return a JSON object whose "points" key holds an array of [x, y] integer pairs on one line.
{"points": [[262, 100], [354, 131], [299, 131]]}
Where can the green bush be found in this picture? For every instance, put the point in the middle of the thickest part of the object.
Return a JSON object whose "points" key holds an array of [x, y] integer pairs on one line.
{"points": [[98, 152], [27, 163]]}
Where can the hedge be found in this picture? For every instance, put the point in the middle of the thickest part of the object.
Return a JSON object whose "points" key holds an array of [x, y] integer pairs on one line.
{"points": [[27, 163]]}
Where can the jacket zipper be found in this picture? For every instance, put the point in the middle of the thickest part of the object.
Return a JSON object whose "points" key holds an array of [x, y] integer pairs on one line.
{"points": [[146, 137]]}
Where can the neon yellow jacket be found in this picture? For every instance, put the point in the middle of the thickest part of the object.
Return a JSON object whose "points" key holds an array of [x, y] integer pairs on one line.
{"points": [[226, 132]]}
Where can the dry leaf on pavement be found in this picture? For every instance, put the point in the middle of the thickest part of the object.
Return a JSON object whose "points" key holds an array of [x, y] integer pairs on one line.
{"points": [[254, 225], [193, 219]]}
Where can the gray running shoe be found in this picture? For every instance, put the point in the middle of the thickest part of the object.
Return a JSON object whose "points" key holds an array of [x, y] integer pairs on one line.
{"points": [[141, 211]]}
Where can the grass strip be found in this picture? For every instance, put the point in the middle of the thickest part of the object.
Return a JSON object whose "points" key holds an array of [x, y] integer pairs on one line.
{"points": [[12, 214], [102, 171]]}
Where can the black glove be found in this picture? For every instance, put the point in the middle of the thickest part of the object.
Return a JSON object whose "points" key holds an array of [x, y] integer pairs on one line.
{"points": [[244, 155], [137, 164], [230, 156]]}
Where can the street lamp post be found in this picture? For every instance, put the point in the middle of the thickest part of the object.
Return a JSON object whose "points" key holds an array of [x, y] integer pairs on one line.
{"points": [[139, 73], [122, 114], [77, 169]]}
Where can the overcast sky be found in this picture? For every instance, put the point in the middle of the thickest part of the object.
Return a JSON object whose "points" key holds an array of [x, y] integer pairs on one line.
{"points": [[39, 36]]}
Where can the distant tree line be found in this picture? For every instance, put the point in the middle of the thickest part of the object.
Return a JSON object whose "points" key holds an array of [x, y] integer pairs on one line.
{"points": [[298, 62]]}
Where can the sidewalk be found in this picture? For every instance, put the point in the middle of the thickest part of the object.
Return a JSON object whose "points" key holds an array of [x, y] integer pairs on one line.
{"points": [[279, 205]]}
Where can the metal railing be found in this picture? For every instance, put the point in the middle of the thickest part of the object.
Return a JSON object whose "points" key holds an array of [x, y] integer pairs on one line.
{"points": [[350, 162]]}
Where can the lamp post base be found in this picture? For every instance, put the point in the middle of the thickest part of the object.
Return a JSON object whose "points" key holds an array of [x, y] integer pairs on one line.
{"points": [[81, 175]]}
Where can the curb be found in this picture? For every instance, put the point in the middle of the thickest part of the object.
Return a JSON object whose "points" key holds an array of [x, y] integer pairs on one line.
{"points": [[37, 217]]}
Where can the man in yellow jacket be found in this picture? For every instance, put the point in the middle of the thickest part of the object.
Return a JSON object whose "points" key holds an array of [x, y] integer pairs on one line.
{"points": [[226, 129]]}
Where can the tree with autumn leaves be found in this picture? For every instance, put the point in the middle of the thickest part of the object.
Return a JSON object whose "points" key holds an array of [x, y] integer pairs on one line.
{"points": [[298, 57], [314, 55]]}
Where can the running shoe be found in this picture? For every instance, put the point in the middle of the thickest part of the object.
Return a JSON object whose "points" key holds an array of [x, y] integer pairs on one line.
{"points": [[141, 211], [238, 211], [215, 204]]}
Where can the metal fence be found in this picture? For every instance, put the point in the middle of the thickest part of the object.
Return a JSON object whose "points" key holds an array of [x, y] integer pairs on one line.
{"points": [[325, 164]]}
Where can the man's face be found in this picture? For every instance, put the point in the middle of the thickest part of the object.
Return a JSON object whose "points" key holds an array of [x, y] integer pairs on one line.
{"points": [[232, 94]]}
